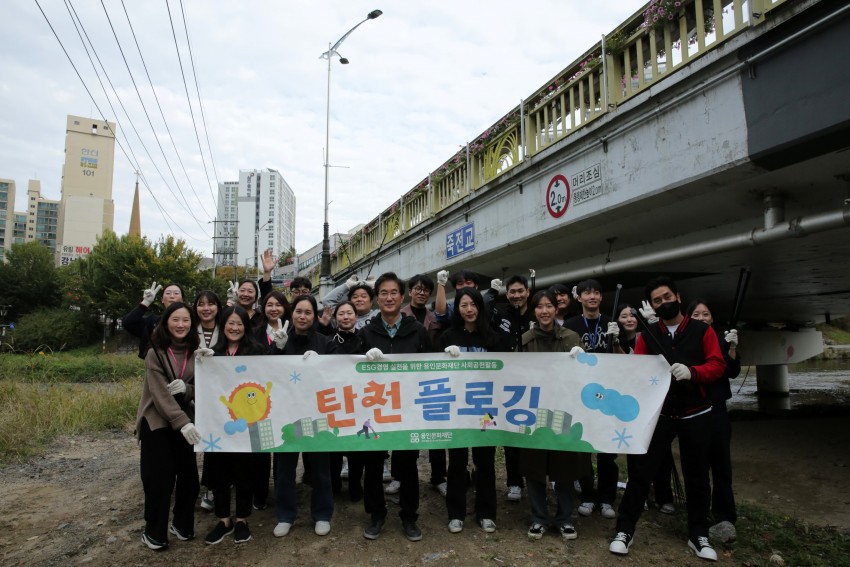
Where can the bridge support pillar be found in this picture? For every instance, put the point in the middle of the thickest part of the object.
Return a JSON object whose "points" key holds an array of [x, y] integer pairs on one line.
{"points": [[772, 380]]}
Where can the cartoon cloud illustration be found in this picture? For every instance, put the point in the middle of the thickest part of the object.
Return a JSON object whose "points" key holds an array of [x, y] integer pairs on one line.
{"points": [[610, 402], [249, 401]]}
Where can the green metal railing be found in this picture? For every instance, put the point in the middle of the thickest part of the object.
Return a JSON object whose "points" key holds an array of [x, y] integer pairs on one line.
{"points": [[636, 55]]}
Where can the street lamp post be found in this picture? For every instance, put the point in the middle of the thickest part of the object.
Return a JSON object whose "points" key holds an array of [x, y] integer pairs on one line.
{"points": [[325, 273]]}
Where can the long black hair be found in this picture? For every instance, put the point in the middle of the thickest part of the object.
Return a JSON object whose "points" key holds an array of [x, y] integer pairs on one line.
{"points": [[161, 336], [247, 344], [482, 325]]}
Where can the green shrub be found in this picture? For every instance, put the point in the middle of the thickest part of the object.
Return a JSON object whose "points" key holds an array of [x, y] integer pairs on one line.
{"points": [[56, 329]]}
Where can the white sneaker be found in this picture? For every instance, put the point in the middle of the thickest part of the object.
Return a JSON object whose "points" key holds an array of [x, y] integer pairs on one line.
{"points": [[456, 526], [488, 525], [442, 488], [282, 529], [608, 511], [322, 527], [344, 472], [387, 476], [703, 549], [514, 493], [586, 508], [621, 543], [393, 487], [207, 500]]}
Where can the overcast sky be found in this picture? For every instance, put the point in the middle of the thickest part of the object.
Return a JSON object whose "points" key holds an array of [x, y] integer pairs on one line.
{"points": [[424, 79]]}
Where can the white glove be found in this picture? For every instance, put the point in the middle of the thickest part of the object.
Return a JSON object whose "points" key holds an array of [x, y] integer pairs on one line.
{"points": [[575, 292], [374, 354], [731, 337], [453, 350], [280, 337], [310, 353], [352, 281], [613, 330], [149, 295], [233, 292], [202, 353], [497, 285], [680, 371], [370, 281], [648, 313], [575, 351], [442, 277], [176, 387], [191, 434], [531, 272]]}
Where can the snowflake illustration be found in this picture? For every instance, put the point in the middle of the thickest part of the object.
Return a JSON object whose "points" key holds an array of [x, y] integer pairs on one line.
{"points": [[621, 438], [212, 444], [653, 380], [294, 377]]}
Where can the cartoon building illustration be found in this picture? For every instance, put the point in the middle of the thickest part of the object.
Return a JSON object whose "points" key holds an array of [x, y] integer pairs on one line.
{"points": [[305, 427], [557, 420], [262, 435]]}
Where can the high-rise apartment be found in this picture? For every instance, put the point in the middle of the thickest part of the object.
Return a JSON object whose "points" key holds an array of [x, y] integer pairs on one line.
{"points": [[254, 214], [86, 208], [42, 217], [7, 215]]}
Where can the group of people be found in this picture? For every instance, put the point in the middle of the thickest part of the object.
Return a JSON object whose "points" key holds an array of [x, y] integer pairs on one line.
{"points": [[257, 320]]}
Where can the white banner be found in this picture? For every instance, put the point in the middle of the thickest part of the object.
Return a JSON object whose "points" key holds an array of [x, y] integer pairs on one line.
{"points": [[595, 402]]}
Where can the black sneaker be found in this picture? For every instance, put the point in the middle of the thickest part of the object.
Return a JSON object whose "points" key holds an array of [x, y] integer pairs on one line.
{"points": [[621, 543], [373, 530], [218, 532], [411, 531], [241, 533], [152, 543], [702, 548], [181, 535]]}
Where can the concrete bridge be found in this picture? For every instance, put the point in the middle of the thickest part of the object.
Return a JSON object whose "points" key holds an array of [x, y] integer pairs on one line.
{"points": [[696, 147]]}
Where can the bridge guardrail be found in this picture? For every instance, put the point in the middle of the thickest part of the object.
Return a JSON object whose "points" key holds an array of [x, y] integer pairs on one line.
{"points": [[653, 43]]}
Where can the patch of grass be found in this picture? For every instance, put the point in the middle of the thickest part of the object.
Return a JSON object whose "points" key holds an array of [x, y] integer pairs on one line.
{"points": [[31, 415], [762, 534], [835, 335], [82, 366]]}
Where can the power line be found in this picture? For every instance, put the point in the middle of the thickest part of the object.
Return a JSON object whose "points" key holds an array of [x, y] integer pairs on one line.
{"points": [[198, 89], [156, 98], [144, 108], [79, 76], [136, 164]]}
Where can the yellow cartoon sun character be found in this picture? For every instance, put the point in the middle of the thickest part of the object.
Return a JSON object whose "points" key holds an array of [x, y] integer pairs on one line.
{"points": [[249, 401]]}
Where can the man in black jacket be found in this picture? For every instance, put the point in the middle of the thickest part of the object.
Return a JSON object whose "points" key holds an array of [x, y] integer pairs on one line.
{"points": [[392, 333]]}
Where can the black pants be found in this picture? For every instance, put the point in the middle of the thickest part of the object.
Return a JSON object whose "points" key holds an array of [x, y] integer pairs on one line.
{"points": [[694, 441], [722, 497], [404, 470], [260, 478], [239, 471], [437, 458], [167, 461], [514, 477], [608, 473], [484, 459]]}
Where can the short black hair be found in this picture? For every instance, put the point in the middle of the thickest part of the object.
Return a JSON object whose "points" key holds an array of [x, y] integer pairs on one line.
{"points": [[559, 289], [655, 283], [361, 285], [305, 297], [696, 303], [426, 282], [588, 285], [517, 279], [389, 277], [301, 281], [540, 295], [465, 275]]}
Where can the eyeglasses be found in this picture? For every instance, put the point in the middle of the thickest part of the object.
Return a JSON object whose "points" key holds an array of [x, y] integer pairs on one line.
{"points": [[385, 293], [300, 291], [420, 289]]}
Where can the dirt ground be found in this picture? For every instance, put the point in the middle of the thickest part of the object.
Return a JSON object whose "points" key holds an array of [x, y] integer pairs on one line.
{"points": [[82, 504]]}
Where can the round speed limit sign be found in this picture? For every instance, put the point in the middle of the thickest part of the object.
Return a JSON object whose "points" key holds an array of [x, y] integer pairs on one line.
{"points": [[558, 196]]}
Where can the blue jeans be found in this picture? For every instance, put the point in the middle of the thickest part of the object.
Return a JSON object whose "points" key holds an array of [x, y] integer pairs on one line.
{"points": [[537, 496], [286, 498]]}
